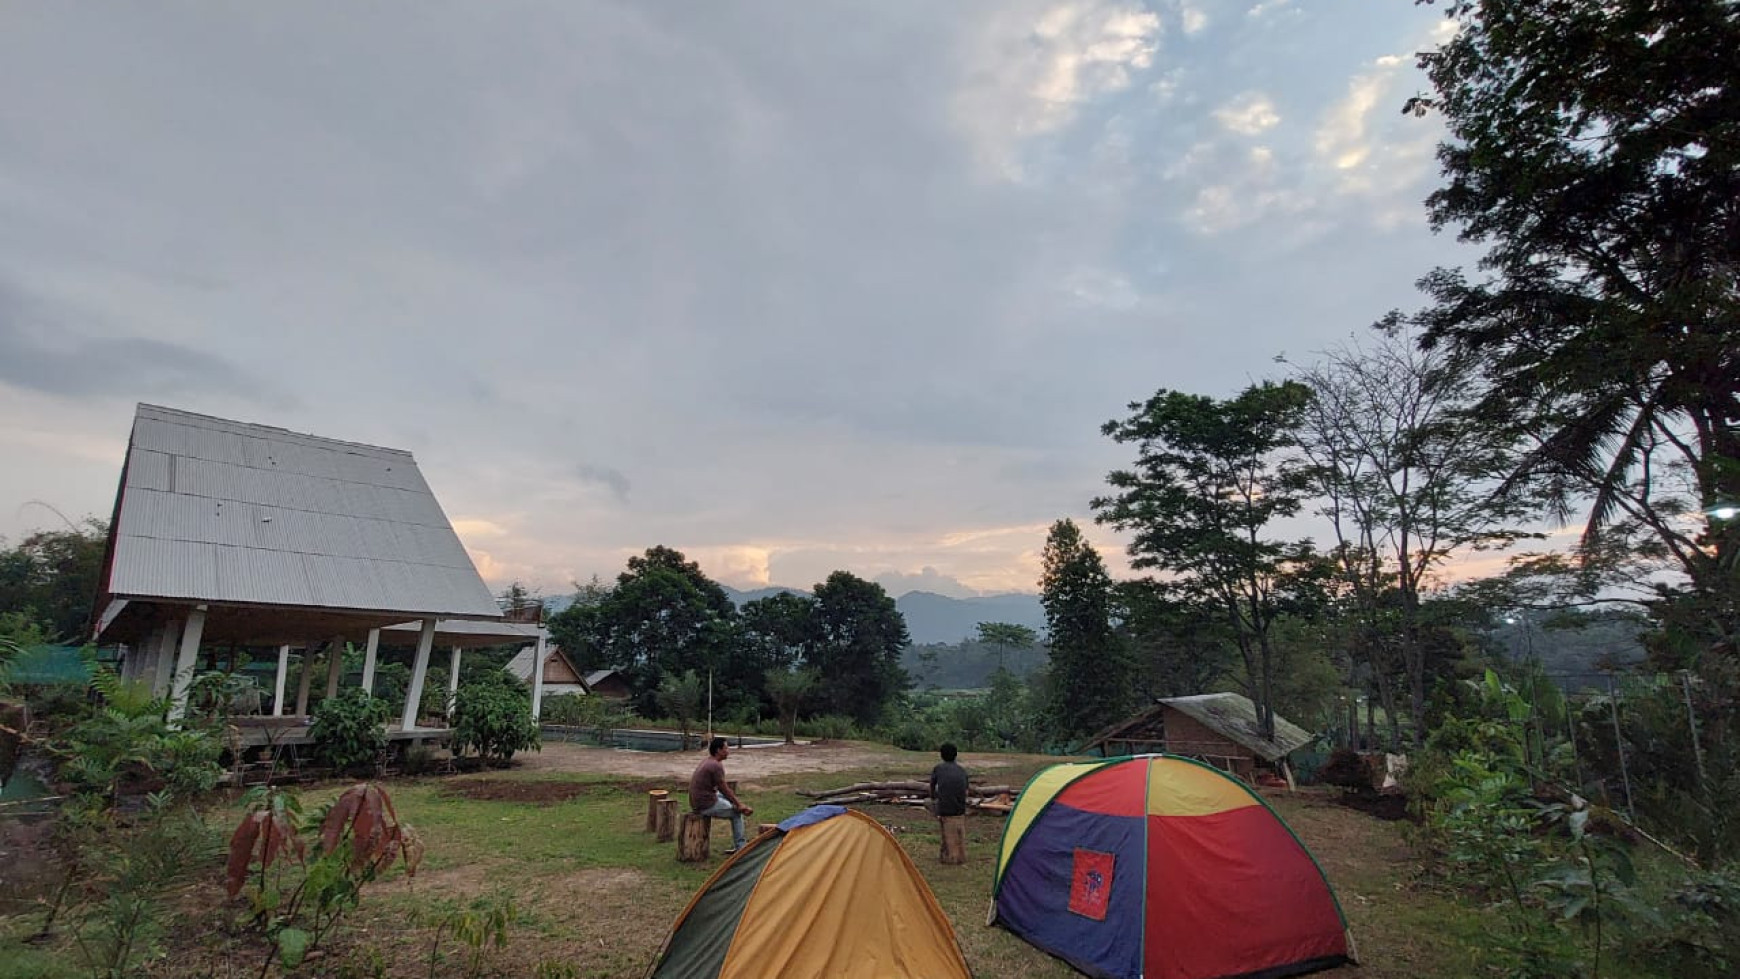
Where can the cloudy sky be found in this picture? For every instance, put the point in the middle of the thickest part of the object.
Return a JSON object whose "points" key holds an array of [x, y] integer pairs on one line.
{"points": [[789, 286]]}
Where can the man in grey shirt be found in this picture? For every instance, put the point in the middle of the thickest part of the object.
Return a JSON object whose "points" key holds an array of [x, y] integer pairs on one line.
{"points": [[948, 788]]}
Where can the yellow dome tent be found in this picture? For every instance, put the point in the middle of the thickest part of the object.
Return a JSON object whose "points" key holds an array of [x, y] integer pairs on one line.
{"points": [[829, 895]]}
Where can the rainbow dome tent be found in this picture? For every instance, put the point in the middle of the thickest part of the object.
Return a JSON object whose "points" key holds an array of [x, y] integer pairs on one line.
{"points": [[829, 895], [1158, 867]]}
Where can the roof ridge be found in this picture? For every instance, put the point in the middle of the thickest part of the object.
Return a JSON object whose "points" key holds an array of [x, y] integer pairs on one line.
{"points": [[258, 430]]}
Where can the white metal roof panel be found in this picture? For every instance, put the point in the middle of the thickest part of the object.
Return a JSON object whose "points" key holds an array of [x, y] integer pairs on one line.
{"points": [[223, 511]]}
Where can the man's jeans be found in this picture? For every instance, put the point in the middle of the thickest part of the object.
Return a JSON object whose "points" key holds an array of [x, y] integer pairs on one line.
{"points": [[723, 809]]}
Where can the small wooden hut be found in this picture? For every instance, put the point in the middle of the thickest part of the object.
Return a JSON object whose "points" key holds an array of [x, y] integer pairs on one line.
{"points": [[1218, 728]]}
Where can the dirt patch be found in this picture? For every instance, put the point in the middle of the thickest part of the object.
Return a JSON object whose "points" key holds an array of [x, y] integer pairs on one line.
{"points": [[1390, 808], [538, 792], [28, 866]]}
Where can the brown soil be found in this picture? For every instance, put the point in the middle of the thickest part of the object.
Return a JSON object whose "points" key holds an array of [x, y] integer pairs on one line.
{"points": [[517, 790], [1386, 807]]}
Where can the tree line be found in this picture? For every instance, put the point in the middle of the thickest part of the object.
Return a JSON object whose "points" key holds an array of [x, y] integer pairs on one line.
{"points": [[667, 626]]}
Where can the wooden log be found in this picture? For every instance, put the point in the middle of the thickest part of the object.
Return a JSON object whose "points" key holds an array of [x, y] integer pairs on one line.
{"points": [[695, 838], [954, 839], [653, 798], [666, 823], [761, 828], [900, 788]]}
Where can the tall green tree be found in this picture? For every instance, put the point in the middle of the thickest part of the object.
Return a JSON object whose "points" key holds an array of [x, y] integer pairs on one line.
{"points": [[663, 617], [1004, 636], [860, 634], [1091, 672], [53, 576], [1209, 479], [790, 691], [780, 629], [683, 697], [1594, 149], [1404, 477], [1180, 648]]}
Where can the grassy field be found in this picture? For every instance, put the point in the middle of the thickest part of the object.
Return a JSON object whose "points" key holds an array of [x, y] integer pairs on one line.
{"points": [[595, 895]]}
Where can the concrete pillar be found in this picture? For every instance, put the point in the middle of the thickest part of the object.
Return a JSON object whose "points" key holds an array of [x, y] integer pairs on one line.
{"points": [[283, 674], [164, 657], [419, 673], [369, 651], [538, 675], [305, 680], [452, 683], [185, 662], [334, 665]]}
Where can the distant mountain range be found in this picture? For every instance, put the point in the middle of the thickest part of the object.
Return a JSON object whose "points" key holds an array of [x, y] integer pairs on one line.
{"points": [[933, 618], [930, 618]]}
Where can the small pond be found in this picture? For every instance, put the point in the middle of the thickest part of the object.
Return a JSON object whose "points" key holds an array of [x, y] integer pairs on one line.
{"points": [[634, 739]]}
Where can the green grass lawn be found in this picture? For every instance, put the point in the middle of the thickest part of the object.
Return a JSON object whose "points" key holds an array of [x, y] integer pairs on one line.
{"points": [[596, 895]]}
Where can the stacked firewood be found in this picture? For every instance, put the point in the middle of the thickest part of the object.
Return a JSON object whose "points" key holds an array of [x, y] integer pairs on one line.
{"points": [[985, 798]]}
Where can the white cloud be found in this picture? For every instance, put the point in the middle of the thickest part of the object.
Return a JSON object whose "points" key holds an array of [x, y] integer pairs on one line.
{"points": [[1371, 150], [1249, 189], [1028, 73], [1193, 19], [1099, 287], [1267, 7], [1250, 113]]}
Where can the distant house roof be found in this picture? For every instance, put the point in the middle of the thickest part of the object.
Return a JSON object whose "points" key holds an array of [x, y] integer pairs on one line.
{"points": [[216, 511], [557, 667], [1228, 714], [596, 677]]}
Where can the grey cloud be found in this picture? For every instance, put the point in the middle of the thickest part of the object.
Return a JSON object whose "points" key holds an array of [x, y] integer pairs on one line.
{"points": [[606, 477], [127, 367]]}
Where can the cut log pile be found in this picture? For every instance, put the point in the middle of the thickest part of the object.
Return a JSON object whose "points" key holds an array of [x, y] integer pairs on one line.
{"points": [[985, 798]]}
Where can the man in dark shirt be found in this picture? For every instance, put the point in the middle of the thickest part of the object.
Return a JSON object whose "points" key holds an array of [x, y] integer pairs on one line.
{"points": [[948, 787], [711, 795]]}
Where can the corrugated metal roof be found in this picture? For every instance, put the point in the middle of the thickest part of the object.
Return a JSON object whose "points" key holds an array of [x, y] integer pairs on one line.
{"points": [[1232, 715], [221, 511], [1235, 717]]}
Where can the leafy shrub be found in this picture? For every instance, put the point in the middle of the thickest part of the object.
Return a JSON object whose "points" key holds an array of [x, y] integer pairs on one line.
{"points": [[128, 746], [348, 732], [828, 727], [295, 901], [481, 924], [494, 721], [128, 863], [594, 714]]}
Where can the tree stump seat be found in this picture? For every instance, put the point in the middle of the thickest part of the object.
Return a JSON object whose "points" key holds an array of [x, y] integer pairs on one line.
{"points": [[695, 838], [665, 825], [653, 798], [954, 839]]}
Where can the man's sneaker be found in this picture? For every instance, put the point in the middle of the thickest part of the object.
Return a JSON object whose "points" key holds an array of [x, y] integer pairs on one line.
{"points": [[732, 850]]}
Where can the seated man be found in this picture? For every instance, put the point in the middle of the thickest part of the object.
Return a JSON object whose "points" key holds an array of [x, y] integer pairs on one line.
{"points": [[710, 795]]}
